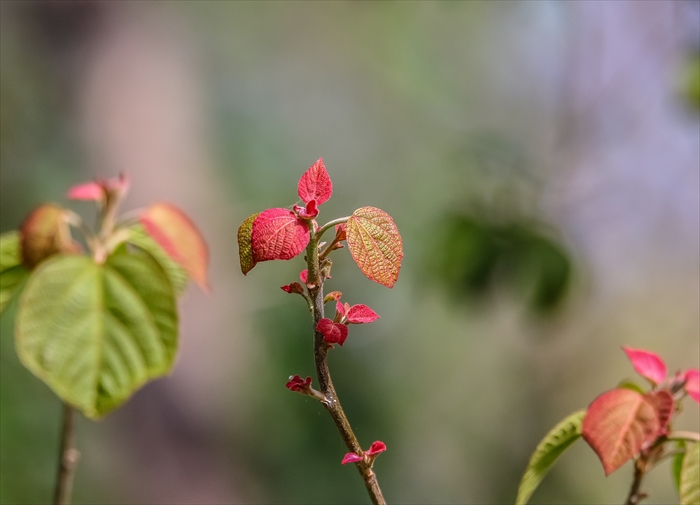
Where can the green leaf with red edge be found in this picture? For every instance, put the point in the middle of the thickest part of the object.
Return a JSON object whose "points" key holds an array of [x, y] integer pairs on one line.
{"points": [[315, 184], [45, 232], [690, 475], [375, 245], [180, 238], [278, 234], [618, 424], [554, 443], [245, 244]]}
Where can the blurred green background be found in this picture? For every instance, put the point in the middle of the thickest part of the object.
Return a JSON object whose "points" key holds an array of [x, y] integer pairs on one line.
{"points": [[539, 158]]}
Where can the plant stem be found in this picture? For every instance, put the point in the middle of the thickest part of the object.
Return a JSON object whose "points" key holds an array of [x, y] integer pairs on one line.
{"points": [[331, 401], [635, 496], [67, 459]]}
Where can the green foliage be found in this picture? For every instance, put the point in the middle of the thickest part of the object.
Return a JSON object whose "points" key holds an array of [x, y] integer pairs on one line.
{"points": [[690, 476], [176, 274], [677, 465], [12, 273], [95, 333], [549, 449]]}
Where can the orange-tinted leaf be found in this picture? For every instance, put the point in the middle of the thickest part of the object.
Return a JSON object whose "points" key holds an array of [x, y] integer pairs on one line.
{"points": [[45, 232], [245, 244], [315, 184], [618, 424], [375, 244], [278, 234], [180, 238]]}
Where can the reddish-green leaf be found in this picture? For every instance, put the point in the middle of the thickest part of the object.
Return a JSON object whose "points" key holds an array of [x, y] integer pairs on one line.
{"points": [[618, 424], [245, 244], [278, 234], [315, 184], [375, 245], [45, 233], [180, 238]]}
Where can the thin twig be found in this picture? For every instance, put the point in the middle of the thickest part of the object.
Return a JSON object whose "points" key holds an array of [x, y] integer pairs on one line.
{"points": [[635, 496], [331, 402], [67, 459]]}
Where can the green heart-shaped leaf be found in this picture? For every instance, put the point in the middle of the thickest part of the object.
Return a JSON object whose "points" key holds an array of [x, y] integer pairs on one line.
{"points": [[96, 333], [12, 272], [690, 483], [177, 274]]}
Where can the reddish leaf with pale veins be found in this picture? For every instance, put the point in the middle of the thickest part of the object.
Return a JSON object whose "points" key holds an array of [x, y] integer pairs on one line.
{"points": [[245, 244], [278, 235], [618, 424], [315, 184], [339, 308], [663, 403], [180, 238], [333, 333], [647, 364], [375, 245], [360, 314], [43, 233]]}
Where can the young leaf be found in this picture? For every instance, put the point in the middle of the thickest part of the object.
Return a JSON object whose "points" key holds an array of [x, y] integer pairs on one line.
{"points": [[245, 244], [95, 333], [692, 384], [180, 238], [375, 245], [677, 465], [647, 364], [45, 232], [548, 450], [177, 274], [663, 403], [690, 476], [12, 272], [618, 424], [278, 234], [360, 314], [315, 184]]}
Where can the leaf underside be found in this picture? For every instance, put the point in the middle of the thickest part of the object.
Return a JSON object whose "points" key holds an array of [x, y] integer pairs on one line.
{"points": [[618, 424], [245, 244], [176, 274], [548, 450], [690, 476], [12, 273], [375, 245], [96, 333]]}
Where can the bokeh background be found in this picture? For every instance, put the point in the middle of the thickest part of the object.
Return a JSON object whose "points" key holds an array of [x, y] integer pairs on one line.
{"points": [[541, 160]]}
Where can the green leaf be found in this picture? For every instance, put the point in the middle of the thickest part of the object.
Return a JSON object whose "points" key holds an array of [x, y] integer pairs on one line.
{"points": [[549, 449], [177, 274], [12, 272], [96, 333], [628, 384], [690, 476], [677, 465]]}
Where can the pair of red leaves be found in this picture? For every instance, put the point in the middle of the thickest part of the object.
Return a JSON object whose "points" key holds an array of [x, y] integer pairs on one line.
{"points": [[282, 234], [375, 449], [45, 231], [335, 332], [622, 422]]}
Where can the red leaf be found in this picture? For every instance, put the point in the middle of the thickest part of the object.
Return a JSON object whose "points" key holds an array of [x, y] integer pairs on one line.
{"points": [[351, 457], [333, 333], [245, 244], [304, 275], [43, 233], [692, 384], [376, 448], [339, 308], [294, 287], [618, 424], [341, 231], [663, 403], [315, 184], [278, 235], [359, 314], [298, 384], [179, 236], [375, 245], [647, 364]]}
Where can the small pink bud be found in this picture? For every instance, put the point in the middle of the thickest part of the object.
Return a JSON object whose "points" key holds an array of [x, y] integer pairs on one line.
{"points": [[294, 287], [351, 457], [86, 191], [376, 448], [304, 276], [299, 385], [692, 383]]}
